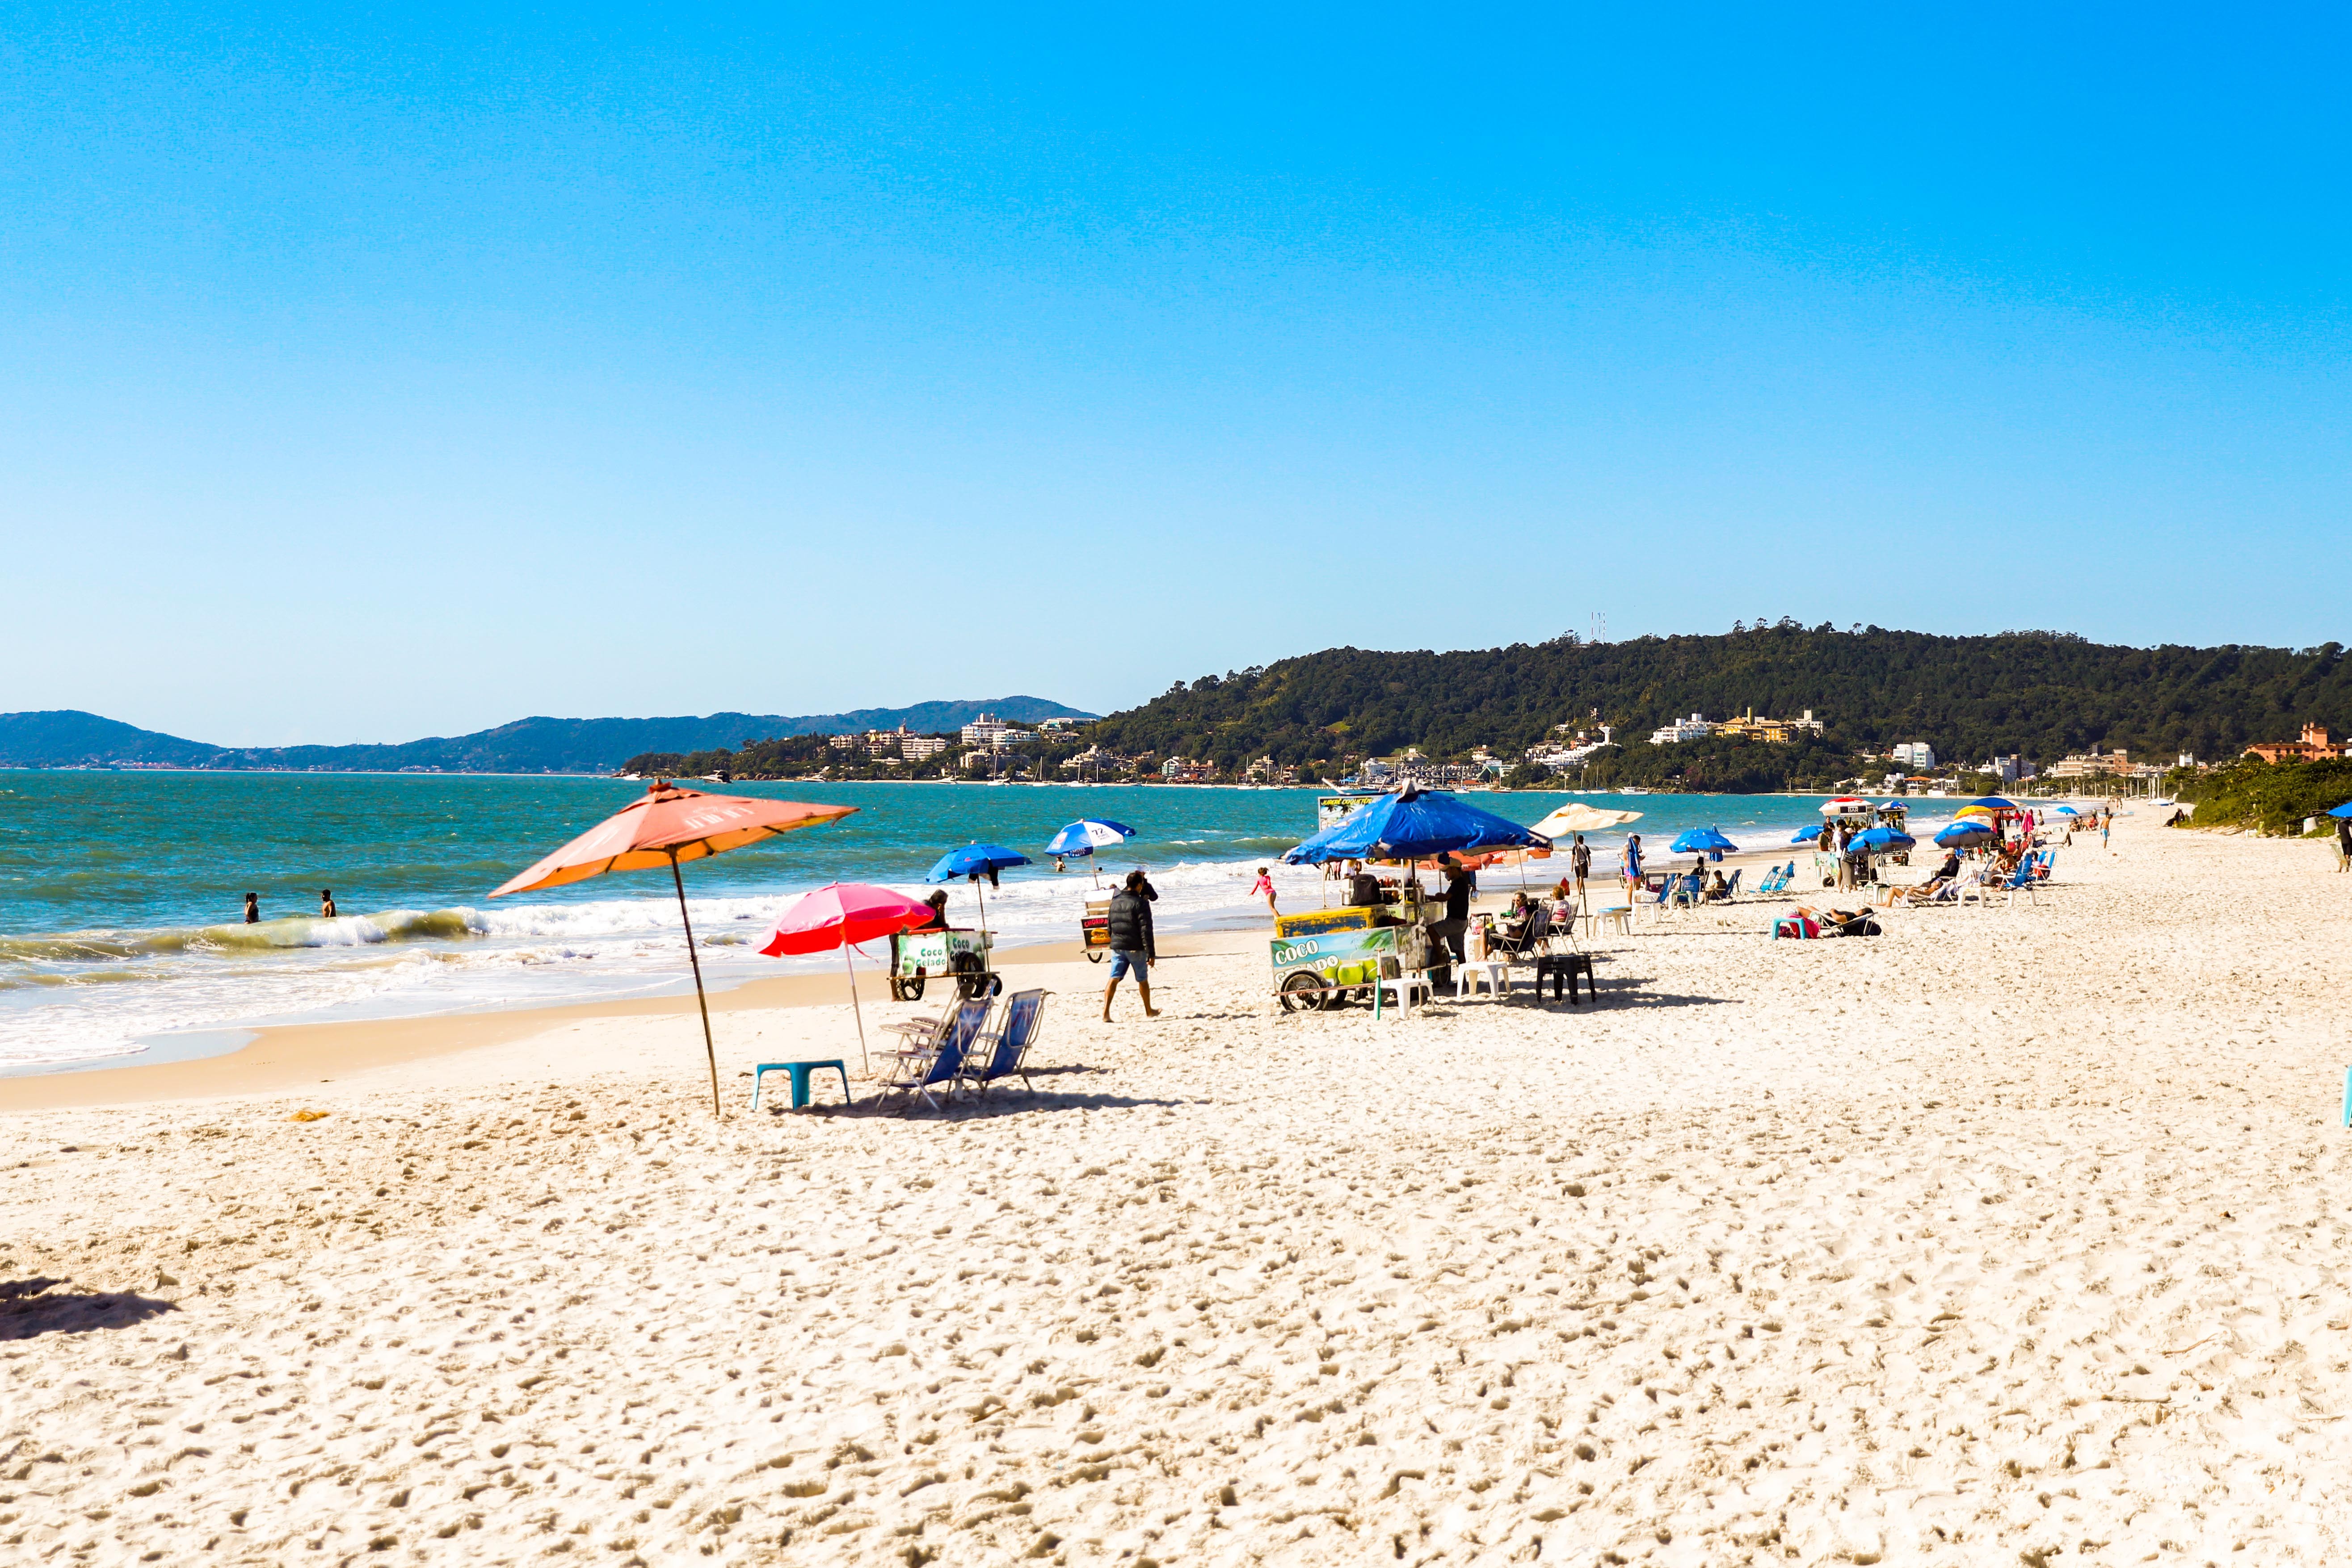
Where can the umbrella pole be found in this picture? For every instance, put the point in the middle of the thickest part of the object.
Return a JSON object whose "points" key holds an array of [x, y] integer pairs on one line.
{"points": [[708, 1050], [855, 1012]]}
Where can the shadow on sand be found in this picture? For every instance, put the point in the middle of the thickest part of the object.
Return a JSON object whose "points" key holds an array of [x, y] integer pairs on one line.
{"points": [[30, 1307]]}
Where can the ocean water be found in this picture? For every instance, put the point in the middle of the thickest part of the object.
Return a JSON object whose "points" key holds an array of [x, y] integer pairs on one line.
{"points": [[121, 894]]}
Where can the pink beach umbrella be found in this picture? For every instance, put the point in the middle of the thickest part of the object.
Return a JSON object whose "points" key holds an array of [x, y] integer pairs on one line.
{"points": [[837, 915]]}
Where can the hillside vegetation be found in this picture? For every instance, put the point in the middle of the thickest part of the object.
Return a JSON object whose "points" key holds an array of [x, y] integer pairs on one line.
{"points": [[2267, 797], [2042, 694]]}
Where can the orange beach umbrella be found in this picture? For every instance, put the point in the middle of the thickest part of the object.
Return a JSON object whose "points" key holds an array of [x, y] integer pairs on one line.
{"points": [[665, 825]]}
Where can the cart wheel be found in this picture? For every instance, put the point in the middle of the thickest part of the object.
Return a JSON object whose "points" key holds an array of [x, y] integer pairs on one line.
{"points": [[969, 980], [1302, 993], [911, 989], [996, 985], [1094, 955]]}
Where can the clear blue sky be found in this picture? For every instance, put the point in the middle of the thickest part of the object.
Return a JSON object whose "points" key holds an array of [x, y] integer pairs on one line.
{"points": [[369, 374]]}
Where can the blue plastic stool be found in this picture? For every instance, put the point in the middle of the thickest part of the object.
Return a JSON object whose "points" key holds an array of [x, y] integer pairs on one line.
{"points": [[800, 1071]]}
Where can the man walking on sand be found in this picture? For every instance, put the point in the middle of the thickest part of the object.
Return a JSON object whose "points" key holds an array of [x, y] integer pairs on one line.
{"points": [[1131, 941], [1580, 860]]}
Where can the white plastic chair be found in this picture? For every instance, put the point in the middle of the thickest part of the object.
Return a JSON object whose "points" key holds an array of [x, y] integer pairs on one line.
{"points": [[1467, 976]]}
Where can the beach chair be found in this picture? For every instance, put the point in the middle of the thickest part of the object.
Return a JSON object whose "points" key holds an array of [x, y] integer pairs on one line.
{"points": [[1532, 938], [999, 1054], [937, 1063], [2022, 882], [1971, 885], [1774, 880]]}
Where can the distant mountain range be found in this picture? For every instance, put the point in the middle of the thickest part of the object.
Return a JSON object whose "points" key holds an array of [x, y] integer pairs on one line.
{"points": [[65, 737]]}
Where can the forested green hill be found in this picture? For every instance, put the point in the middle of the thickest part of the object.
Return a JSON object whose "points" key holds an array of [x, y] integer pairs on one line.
{"points": [[2044, 694]]}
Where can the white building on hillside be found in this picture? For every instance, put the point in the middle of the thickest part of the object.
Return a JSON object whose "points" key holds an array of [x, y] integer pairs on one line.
{"points": [[994, 733], [1917, 755], [1691, 729]]}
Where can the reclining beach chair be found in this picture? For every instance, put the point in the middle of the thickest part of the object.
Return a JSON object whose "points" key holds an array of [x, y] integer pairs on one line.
{"points": [[938, 1063], [2022, 881], [998, 1056]]}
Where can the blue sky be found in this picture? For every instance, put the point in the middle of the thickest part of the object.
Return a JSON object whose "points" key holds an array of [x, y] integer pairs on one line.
{"points": [[369, 374]]}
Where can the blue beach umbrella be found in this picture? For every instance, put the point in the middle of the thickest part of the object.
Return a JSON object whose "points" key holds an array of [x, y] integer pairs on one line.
{"points": [[976, 860], [1807, 835], [2344, 810], [1993, 802], [1882, 841], [1960, 835], [2070, 811], [1413, 825], [1087, 835], [1701, 841]]}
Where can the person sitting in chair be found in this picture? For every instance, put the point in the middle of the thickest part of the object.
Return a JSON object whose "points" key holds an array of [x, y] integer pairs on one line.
{"points": [[1935, 885]]}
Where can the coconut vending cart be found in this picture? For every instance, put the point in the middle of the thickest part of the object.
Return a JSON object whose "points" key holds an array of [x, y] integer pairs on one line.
{"points": [[1325, 957]]}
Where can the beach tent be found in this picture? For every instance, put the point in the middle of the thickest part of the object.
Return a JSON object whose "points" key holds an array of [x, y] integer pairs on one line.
{"points": [[661, 827], [1413, 825], [836, 915]]}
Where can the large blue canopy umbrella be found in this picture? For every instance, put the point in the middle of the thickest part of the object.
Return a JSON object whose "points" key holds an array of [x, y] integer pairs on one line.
{"points": [[976, 860], [1881, 841], [2344, 810], [1993, 803], [1413, 825], [1963, 833], [1701, 841]]}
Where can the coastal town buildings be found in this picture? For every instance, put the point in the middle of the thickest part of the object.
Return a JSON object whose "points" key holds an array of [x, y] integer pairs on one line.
{"points": [[1694, 728], [1917, 755], [1746, 727], [2314, 747], [1177, 770], [994, 733], [1776, 731], [915, 748]]}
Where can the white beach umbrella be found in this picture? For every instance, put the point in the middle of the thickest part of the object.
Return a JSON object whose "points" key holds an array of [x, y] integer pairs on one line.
{"points": [[1578, 817]]}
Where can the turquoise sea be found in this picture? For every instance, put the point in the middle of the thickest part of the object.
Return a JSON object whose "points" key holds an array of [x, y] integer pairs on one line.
{"points": [[122, 893]]}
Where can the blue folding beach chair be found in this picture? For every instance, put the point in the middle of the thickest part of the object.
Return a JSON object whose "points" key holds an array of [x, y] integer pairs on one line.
{"points": [[999, 1056], [938, 1062]]}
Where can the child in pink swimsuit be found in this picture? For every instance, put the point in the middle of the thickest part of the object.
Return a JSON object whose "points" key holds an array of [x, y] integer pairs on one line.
{"points": [[1264, 887]]}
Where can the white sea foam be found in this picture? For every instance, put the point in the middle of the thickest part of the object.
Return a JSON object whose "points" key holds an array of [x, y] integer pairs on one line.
{"points": [[401, 962]]}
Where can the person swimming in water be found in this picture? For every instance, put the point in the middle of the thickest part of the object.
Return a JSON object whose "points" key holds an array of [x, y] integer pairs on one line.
{"points": [[252, 908], [326, 904]]}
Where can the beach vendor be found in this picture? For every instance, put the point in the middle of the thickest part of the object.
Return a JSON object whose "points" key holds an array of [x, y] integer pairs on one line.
{"points": [[938, 921]]}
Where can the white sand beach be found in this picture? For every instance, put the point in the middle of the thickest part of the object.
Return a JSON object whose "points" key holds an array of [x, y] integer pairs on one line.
{"points": [[2011, 1235]]}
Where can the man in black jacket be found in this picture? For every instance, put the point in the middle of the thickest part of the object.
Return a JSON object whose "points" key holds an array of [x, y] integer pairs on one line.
{"points": [[1131, 941]]}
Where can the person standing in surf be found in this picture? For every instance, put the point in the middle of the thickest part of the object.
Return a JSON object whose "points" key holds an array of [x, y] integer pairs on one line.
{"points": [[1264, 888]]}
